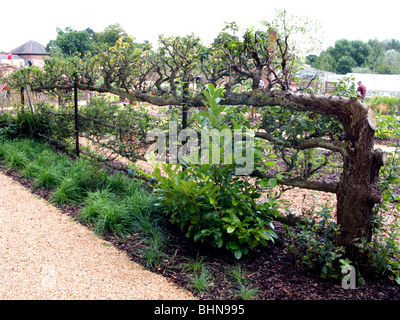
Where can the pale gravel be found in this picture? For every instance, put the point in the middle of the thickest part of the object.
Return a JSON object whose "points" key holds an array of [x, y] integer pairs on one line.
{"points": [[45, 255]]}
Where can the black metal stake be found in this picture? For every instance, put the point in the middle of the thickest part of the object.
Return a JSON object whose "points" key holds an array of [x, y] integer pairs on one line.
{"points": [[76, 119], [184, 116], [22, 97]]}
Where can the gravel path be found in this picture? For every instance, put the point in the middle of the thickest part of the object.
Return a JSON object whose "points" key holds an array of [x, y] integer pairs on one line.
{"points": [[46, 255]]}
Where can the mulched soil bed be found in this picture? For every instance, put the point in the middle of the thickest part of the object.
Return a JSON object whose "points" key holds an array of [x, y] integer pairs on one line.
{"points": [[273, 270]]}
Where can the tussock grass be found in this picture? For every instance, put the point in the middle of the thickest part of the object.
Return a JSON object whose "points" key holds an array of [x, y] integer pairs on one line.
{"points": [[111, 202]]}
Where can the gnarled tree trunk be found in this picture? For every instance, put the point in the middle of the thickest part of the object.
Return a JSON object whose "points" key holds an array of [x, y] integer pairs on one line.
{"points": [[358, 190]]}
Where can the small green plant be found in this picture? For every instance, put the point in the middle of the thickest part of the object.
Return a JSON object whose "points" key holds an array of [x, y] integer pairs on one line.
{"points": [[200, 281], [89, 175], [30, 171], [238, 273], [241, 282], [47, 177], [16, 159], [117, 183], [68, 191], [195, 264], [314, 243], [103, 212], [153, 254], [247, 292]]}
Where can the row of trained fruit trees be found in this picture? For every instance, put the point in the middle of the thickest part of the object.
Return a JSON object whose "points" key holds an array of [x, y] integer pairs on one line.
{"points": [[308, 133]]}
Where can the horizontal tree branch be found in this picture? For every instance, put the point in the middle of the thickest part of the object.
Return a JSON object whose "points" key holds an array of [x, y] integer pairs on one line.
{"points": [[303, 184], [345, 109], [335, 146]]}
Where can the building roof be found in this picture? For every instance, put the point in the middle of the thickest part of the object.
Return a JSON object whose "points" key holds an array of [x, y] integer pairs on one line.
{"points": [[31, 47]]}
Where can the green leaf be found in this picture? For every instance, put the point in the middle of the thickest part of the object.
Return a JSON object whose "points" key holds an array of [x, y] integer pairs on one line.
{"points": [[264, 183], [203, 113], [273, 183], [232, 245], [324, 270], [230, 229], [361, 281], [211, 89], [279, 176], [238, 254], [219, 92]]}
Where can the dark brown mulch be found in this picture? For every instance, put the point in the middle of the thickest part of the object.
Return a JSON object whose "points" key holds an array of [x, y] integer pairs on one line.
{"points": [[271, 269]]}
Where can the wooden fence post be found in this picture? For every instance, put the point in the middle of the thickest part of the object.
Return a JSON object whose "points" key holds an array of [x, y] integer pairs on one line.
{"points": [[76, 119]]}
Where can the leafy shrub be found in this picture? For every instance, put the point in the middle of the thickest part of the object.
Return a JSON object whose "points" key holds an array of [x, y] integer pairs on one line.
{"points": [[391, 103], [210, 203], [9, 130], [386, 126], [22, 124]]}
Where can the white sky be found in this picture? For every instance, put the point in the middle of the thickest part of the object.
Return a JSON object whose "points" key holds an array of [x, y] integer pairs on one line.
{"points": [[25, 20]]}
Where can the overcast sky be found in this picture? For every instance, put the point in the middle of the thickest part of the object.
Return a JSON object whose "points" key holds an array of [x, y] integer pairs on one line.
{"points": [[38, 20]]}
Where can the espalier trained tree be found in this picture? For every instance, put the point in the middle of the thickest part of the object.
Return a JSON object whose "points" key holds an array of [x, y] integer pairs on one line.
{"points": [[162, 77]]}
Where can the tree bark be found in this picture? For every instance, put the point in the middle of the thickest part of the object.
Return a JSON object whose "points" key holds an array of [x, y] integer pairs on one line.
{"points": [[358, 190]]}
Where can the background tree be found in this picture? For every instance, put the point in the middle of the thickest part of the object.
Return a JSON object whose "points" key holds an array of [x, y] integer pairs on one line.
{"points": [[110, 35], [376, 52], [392, 60], [344, 49], [392, 44], [325, 61], [360, 52], [70, 42], [373, 56], [345, 65]]}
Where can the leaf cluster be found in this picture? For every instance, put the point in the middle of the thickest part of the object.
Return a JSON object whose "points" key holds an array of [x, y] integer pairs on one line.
{"points": [[314, 244], [210, 203]]}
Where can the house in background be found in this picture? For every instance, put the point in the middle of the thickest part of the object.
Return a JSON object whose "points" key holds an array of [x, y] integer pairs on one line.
{"points": [[20, 57], [31, 51]]}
